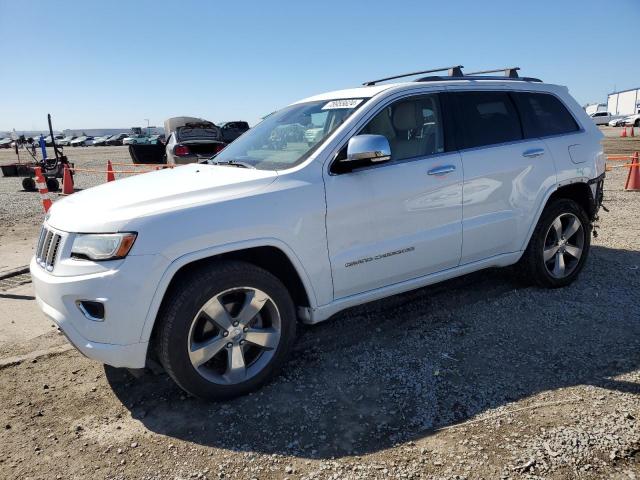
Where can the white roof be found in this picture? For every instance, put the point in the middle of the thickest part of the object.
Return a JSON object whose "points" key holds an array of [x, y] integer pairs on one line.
{"points": [[370, 91], [358, 92]]}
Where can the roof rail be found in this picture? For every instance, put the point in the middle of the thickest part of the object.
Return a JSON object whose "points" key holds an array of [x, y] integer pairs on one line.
{"points": [[455, 71], [510, 72]]}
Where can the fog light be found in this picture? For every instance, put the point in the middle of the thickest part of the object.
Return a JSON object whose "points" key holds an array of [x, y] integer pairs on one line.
{"points": [[92, 310]]}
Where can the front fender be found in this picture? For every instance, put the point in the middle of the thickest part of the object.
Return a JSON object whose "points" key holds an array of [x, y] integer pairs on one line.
{"points": [[188, 258]]}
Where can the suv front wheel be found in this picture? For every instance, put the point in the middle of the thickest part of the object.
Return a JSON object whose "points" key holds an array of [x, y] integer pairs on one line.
{"points": [[559, 245], [225, 330]]}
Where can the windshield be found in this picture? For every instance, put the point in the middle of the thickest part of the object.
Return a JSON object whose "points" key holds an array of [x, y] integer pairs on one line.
{"points": [[287, 137]]}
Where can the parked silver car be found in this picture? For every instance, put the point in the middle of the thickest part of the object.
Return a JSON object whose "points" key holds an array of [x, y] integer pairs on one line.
{"points": [[191, 140], [66, 141]]}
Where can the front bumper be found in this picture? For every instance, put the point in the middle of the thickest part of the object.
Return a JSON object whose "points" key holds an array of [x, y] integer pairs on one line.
{"points": [[126, 292], [127, 356]]}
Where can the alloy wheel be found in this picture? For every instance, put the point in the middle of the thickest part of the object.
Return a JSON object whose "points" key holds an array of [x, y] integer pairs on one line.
{"points": [[563, 245], [234, 335]]}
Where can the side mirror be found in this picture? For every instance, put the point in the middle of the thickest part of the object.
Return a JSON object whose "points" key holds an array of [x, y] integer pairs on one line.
{"points": [[374, 148]]}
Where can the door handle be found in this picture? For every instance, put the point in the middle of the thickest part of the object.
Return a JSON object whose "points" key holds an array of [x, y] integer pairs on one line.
{"points": [[442, 170], [534, 152]]}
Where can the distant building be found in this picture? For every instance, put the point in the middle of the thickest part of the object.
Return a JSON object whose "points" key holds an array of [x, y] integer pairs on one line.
{"points": [[626, 102]]}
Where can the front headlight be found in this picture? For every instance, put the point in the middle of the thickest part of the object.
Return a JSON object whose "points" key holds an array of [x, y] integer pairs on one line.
{"points": [[102, 246]]}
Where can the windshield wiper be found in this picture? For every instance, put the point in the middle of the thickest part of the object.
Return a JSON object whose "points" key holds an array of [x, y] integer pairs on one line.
{"points": [[234, 163]]}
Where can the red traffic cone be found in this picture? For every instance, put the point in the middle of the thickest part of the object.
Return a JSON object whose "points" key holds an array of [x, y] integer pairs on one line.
{"points": [[110, 176], [67, 181], [633, 178], [42, 188], [631, 134], [624, 133]]}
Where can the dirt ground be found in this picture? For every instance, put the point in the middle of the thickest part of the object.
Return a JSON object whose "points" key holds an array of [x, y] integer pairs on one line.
{"points": [[479, 377], [20, 209]]}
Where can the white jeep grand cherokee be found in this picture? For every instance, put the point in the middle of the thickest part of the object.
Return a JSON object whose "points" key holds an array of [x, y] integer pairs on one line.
{"points": [[208, 267]]}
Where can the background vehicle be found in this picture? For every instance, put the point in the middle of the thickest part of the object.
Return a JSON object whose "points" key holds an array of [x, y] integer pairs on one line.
{"points": [[616, 122], [100, 141], [48, 141], [66, 141], [232, 130], [135, 139], [313, 135], [603, 118], [156, 139], [83, 141], [213, 264], [191, 140], [6, 142], [632, 120], [117, 139]]}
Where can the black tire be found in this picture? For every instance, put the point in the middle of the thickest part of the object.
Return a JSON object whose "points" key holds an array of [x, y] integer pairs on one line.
{"points": [[183, 304], [29, 184], [637, 123], [53, 185], [532, 265]]}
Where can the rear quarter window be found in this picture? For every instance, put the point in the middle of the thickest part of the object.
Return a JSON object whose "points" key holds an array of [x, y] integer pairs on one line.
{"points": [[486, 118], [543, 114]]}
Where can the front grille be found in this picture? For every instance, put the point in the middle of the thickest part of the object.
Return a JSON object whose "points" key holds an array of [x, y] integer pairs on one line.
{"points": [[47, 248]]}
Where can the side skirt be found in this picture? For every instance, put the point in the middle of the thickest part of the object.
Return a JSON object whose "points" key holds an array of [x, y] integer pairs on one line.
{"points": [[319, 314]]}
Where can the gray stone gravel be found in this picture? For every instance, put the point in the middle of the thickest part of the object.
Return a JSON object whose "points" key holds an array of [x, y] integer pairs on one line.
{"points": [[18, 207], [479, 377]]}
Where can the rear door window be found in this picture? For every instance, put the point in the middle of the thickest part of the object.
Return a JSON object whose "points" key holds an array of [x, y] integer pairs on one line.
{"points": [[486, 118], [543, 114]]}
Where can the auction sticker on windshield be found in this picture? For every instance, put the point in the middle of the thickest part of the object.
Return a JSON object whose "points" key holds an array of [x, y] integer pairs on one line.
{"points": [[346, 103]]}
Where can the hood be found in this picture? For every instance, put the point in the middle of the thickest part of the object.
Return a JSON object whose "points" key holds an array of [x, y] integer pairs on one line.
{"points": [[111, 206]]}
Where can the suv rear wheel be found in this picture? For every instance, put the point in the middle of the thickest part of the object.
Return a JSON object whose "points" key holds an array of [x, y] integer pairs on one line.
{"points": [[226, 330], [559, 245]]}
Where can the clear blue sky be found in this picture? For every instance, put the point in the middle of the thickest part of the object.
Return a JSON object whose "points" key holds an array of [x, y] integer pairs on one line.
{"points": [[113, 64]]}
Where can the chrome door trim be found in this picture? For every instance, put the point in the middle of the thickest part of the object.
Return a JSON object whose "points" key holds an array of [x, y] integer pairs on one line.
{"points": [[533, 152], [441, 170]]}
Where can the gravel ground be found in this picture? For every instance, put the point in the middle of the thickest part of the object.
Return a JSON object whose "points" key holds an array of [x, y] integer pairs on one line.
{"points": [[18, 207], [479, 377]]}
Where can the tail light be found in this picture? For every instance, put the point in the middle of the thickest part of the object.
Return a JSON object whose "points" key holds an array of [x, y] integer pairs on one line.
{"points": [[219, 147], [181, 150]]}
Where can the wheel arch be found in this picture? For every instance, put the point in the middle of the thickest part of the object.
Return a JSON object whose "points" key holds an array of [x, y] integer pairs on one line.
{"points": [[270, 254], [578, 191]]}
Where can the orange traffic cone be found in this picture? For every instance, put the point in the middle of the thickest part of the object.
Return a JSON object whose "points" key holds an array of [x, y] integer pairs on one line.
{"points": [[67, 181], [42, 188], [110, 176], [624, 133], [633, 178], [631, 134]]}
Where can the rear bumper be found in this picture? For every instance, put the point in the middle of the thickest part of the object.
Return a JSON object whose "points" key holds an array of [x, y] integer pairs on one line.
{"points": [[597, 190]]}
